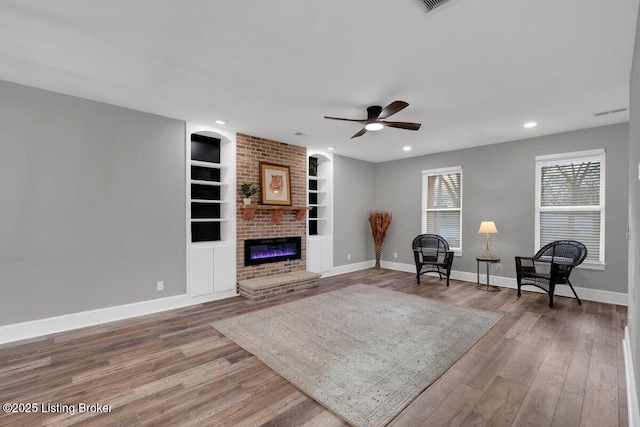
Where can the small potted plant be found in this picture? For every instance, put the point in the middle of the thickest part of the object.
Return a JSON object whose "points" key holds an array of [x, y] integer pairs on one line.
{"points": [[248, 189], [313, 166]]}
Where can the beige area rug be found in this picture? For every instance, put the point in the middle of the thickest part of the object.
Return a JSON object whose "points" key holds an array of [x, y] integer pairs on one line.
{"points": [[363, 352]]}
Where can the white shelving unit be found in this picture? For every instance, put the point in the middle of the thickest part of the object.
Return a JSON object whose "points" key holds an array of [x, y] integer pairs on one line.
{"points": [[320, 218], [211, 212], [318, 205]]}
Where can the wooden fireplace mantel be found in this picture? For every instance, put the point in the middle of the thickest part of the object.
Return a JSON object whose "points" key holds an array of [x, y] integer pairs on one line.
{"points": [[248, 211]]}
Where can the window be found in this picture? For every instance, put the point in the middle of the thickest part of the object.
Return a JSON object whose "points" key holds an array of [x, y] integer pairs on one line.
{"points": [[442, 204], [570, 201]]}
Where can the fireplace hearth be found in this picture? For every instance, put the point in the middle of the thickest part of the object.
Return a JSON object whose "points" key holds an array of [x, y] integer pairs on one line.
{"points": [[263, 251]]}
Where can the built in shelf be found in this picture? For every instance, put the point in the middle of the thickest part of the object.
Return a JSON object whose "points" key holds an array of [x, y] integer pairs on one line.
{"points": [[208, 164], [208, 201], [211, 183]]}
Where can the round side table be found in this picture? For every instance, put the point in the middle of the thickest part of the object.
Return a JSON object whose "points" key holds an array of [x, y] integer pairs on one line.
{"points": [[488, 261]]}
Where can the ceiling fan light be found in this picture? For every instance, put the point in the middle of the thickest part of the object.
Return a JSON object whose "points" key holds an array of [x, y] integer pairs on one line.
{"points": [[374, 126]]}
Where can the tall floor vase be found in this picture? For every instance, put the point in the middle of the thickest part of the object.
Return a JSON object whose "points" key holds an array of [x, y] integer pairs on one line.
{"points": [[379, 221], [378, 254]]}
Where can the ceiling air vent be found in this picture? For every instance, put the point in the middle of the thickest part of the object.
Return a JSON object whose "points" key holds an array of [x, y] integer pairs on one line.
{"points": [[429, 5], [604, 113]]}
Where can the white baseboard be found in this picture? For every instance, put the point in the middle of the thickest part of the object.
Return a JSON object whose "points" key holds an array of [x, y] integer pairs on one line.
{"points": [[349, 268], [398, 266], [632, 391], [586, 294], [597, 295], [67, 322], [36, 328]]}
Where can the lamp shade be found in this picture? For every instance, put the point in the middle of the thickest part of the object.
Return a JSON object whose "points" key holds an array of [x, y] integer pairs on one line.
{"points": [[488, 227]]}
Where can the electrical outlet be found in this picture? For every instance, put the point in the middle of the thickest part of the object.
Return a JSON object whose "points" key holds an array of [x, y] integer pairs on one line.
{"points": [[499, 266], [348, 256], [160, 286], [395, 254]]}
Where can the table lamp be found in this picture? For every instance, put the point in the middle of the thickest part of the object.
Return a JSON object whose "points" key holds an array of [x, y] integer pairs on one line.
{"points": [[488, 227]]}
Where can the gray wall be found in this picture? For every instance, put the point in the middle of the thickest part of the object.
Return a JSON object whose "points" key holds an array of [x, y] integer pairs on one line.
{"points": [[634, 213], [92, 205], [499, 185], [353, 197]]}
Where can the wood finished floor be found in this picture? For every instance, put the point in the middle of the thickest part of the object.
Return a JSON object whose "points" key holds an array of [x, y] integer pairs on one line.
{"points": [[536, 367]]}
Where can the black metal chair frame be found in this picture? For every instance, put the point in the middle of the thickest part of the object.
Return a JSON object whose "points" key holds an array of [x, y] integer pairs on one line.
{"points": [[562, 255], [432, 255]]}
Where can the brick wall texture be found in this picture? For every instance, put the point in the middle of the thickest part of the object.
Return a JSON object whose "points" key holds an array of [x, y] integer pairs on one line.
{"points": [[250, 151]]}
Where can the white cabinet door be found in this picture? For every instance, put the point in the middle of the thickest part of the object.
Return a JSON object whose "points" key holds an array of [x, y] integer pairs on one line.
{"points": [[224, 269], [319, 254], [327, 254], [201, 271]]}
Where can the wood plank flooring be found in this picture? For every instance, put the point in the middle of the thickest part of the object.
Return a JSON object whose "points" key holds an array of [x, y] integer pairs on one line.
{"points": [[537, 367]]}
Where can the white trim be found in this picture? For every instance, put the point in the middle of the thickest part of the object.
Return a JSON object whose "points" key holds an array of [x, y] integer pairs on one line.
{"points": [[441, 171], [349, 268], [592, 266], [572, 155], [597, 155], [398, 266], [632, 390], [586, 294], [67, 322], [425, 185], [51, 325]]}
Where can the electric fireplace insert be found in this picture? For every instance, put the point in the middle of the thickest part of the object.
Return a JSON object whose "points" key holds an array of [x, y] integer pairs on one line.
{"points": [[263, 251]]}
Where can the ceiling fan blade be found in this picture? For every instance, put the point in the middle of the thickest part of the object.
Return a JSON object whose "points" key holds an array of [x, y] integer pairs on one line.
{"points": [[392, 108], [362, 132], [345, 120], [403, 125]]}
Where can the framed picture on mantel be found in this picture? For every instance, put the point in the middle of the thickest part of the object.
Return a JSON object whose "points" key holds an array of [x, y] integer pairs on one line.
{"points": [[275, 183]]}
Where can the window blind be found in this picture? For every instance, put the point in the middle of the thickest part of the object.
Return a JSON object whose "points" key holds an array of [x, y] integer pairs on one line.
{"points": [[443, 203], [571, 203]]}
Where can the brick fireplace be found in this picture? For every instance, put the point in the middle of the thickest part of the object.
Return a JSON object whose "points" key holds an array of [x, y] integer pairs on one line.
{"points": [[250, 152]]}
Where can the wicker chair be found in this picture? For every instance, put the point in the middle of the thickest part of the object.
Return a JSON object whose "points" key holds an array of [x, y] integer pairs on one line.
{"points": [[562, 256], [431, 253]]}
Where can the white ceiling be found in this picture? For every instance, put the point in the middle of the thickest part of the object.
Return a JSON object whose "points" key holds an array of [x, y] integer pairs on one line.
{"points": [[473, 71]]}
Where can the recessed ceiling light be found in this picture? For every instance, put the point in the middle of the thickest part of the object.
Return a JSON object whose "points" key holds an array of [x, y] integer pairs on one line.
{"points": [[331, 148], [406, 148], [530, 125], [374, 126], [221, 122]]}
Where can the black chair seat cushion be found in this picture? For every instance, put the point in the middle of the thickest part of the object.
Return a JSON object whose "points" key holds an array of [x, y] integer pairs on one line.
{"points": [[536, 276], [439, 264]]}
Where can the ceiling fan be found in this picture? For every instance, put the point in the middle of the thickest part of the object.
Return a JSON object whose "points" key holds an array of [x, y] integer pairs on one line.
{"points": [[376, 118]]}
